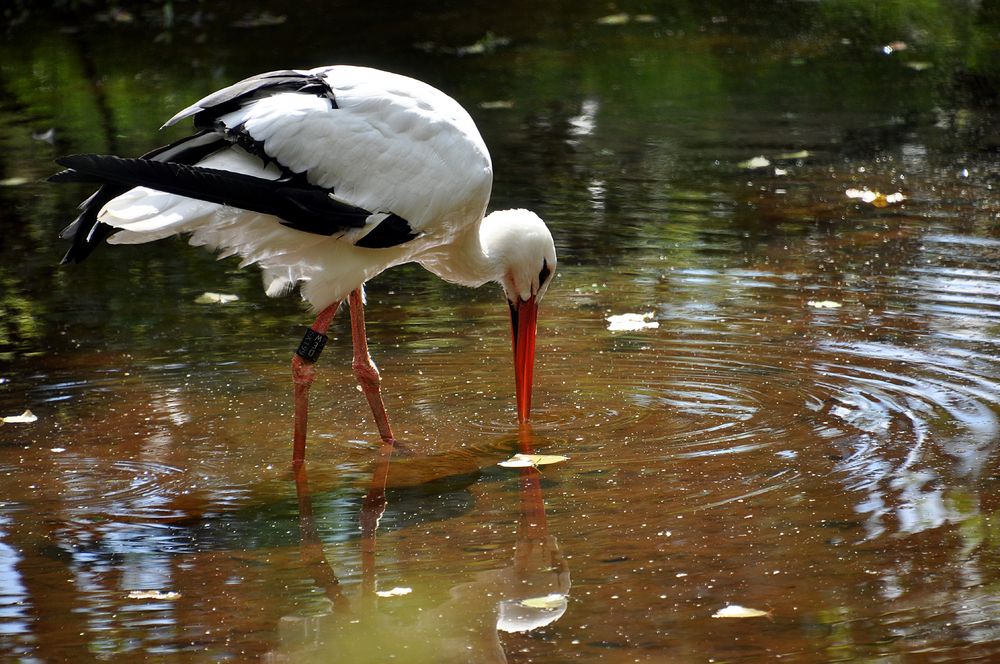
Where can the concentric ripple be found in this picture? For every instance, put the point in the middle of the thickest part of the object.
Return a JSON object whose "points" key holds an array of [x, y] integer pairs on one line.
{"points": [[886, 403]]}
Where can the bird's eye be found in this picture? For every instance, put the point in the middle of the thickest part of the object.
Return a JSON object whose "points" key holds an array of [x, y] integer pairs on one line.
{"points": [[544, 274]]}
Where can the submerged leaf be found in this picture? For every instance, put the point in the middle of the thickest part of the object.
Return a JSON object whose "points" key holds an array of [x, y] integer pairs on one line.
{"points": [[737, 611], [27, 417], [531, 460]]}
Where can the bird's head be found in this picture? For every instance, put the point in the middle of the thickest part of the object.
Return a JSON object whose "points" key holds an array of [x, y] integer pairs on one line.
{"points": [[521, 245]]}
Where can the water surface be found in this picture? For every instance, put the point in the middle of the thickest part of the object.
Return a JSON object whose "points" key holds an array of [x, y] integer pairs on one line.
{"points": [[810, 430]]}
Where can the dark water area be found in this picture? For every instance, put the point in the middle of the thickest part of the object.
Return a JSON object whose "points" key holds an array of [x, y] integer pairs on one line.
{"points": [[797, 201]]}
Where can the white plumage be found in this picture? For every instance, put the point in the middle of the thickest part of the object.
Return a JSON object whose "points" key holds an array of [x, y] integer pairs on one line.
{"points": [[392, 144], [325, 178]]}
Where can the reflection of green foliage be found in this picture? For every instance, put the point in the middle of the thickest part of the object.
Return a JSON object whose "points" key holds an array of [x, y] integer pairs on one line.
{"points": [[18, 325], [54, 82], [674, 103], [954, 39]]}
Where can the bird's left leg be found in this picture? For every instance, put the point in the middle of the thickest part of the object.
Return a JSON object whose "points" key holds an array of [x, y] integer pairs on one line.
{"points": [[365, 370], [303, 374]]}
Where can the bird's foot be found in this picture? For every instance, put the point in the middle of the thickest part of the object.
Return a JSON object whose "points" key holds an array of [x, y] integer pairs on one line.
{"points": [[403, 450]]}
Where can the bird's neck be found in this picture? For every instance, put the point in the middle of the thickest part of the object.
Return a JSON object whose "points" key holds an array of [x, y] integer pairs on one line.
{"points": [[467, 259]]}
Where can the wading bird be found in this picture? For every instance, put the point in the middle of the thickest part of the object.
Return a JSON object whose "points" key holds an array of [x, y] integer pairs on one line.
{"points": [[325, 178]]}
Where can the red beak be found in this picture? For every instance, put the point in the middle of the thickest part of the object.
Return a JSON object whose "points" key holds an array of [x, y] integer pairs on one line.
{"points": [[523, 321]]}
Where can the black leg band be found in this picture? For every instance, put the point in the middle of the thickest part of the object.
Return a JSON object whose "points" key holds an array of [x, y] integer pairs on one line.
{"points": [[311, 346]]}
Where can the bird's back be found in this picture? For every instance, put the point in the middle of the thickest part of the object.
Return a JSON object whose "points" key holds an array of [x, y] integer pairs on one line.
{"points": [[378, 140]]}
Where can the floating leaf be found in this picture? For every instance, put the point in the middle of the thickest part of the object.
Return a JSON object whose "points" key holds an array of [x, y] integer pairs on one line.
{"points": [[824, 304], [877, 199], [216, 298], [801, 154], [737, 611], [153, 594], [550, 601], [395, 592], [614, 19], [759, 161], [27, 417], [531, 460], [632, 322]]}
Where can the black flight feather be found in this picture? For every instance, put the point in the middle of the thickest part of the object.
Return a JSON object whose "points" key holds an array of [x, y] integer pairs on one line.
{"points": [[235, 96], [86, 231], [305, 208]]}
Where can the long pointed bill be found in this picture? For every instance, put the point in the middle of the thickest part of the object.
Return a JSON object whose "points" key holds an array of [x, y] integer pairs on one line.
{"points": [[523, 321]]}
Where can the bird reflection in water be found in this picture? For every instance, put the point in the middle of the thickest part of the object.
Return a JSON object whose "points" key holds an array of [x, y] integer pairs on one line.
{"points": [[527, 594]]}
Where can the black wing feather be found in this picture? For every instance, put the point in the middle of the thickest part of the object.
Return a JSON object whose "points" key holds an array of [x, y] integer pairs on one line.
{"points": [[390, 232], [230, 99], [300, 206], [86, 231]]}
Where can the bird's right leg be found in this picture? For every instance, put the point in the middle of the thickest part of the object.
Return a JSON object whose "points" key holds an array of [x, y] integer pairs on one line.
{"points": [[365, 370], [303, 374]]}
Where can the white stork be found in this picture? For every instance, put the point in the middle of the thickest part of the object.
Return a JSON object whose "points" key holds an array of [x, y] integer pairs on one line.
{"points": [[325, 178]]}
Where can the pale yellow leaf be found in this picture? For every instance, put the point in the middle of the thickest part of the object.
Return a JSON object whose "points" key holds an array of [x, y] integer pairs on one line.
{"points": [[550, 601], [824, 304], [632, 322], [27, 417], [759, 161], [216, 298], [737, 611], [395, 592], [531, 460], [614, 19], [800, 154]]}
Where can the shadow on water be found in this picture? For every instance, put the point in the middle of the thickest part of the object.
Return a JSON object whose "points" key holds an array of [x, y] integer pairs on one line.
{"points": [[807, 424]]}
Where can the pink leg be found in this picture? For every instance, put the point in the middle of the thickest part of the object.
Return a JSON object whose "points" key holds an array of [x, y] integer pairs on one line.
{"points": [[364, 368], [303, 374]]}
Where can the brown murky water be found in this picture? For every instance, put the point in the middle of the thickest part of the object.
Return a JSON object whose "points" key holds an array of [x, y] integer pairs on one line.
{"points": [[810, 431]]}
